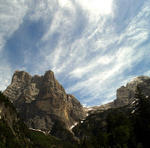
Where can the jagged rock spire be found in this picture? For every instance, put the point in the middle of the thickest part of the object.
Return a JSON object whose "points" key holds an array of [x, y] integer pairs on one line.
{"points": [[41, 100]]}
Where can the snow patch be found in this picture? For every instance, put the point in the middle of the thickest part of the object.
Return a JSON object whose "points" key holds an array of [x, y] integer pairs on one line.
{"points": [[38, 130], [133, 112], [73, 125], [133, 102], [89, 109]]}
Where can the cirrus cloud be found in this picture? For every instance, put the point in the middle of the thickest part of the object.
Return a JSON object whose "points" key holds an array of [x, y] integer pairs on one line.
{"points": [[93, 47]]}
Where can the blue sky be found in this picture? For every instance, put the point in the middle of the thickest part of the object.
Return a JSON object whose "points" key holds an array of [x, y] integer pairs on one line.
{"points": [[93, 46]]}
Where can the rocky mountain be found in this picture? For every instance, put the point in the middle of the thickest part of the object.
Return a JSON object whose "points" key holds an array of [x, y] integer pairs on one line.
{"points": [[48, 110], [123, 123], [125, 95], [15, 134], [42, 102]]}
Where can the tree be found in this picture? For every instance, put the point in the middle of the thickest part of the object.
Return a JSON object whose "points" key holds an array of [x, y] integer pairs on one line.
{"points": [[142, 118]]}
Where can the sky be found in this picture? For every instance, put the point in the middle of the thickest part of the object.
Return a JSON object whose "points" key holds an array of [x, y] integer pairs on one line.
{"points": [[92, 46]]}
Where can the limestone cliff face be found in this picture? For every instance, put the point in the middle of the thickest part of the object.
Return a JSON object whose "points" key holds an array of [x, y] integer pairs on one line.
{"points": [[41, 101], [126, 94]]}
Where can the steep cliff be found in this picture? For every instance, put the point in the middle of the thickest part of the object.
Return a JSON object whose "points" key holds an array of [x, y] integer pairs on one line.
{"points": [[42, 101], [15, 134], [121, 123], [126, 94], [44, 105]]}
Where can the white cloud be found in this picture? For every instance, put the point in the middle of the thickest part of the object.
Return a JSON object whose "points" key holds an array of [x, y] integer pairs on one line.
{"points": [[82, 42], [80, 71], [147, 73], [5, 75], [11, 16], [41, 9], [12, 13], [101, 55], [65, 4], [62, 18], [97, 7]]}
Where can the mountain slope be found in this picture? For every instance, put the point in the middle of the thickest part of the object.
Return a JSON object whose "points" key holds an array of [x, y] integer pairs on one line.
{"points": [[11, 127], [15, 134], [125, 95], [42, 102], [124, 127], [44, 105]]}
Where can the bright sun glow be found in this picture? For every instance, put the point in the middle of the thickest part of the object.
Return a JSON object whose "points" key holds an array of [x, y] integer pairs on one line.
{"points": [[97, 6], [65, 3]]}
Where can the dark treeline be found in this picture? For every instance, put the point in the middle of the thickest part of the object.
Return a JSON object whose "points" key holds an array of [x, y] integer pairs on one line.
{"points": [[126, 127]]}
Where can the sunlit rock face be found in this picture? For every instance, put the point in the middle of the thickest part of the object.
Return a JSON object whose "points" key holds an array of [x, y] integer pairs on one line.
{"points": [[126, 94], [41, 101]]}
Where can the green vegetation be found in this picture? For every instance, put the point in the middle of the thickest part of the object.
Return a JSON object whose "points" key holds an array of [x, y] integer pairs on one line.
{"points": [[7, 103], [141, 119], [126, 127], [40, 140], [11, 135], [111, 129], [7, 137], [17, 135]]}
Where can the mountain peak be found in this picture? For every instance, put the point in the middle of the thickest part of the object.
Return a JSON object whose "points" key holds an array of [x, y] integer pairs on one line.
{"points": [[49, 75], [139, 79], [42, 100], [126, 94], [21, 76]]}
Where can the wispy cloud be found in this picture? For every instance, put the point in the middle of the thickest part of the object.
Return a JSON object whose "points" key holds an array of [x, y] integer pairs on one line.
{"points": [[93, 47], [5, 74], [11, 16]]}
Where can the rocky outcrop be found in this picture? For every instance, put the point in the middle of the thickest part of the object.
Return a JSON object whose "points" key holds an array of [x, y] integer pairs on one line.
{"points": [[126, 94], [101, 108], [41, 101]]}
